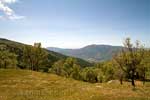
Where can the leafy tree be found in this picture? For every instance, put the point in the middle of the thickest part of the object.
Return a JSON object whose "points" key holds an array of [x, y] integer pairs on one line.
{"points": [[144, 67], [68, 66], [28, 57], [100, 77], [105, 70], [108, 70], [57, 68], [129, 59], [35, 58], [8, 60], [89, 75], [76, 72]]}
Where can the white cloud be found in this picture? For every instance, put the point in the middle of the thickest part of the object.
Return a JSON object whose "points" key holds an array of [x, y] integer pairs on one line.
{"points": [[8, 12], [8, 1]]}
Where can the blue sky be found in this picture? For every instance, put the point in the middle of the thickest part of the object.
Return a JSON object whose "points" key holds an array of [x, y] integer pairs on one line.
{"points": [[75, 23]]}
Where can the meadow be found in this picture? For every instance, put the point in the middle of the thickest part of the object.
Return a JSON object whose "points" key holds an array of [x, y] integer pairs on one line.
{"points": [[16, 84]]}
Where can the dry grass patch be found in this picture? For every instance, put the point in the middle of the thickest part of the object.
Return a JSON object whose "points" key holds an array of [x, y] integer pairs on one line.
{"points": [[29, 85]]}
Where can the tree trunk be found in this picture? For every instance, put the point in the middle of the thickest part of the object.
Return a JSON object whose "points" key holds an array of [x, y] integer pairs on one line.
{"points": [[5, 65], [132, 79], [133, 83], [121, 79], [144, 78]]}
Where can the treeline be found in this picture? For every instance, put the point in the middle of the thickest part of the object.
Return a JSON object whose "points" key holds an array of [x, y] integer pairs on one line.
{"points": [[100, 72], [130, 64], [31, 57]]}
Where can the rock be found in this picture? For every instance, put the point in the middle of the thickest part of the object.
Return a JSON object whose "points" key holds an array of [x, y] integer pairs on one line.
{"points": [[113, 81]]}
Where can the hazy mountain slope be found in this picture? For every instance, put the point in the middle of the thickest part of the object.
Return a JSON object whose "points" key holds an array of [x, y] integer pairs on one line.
{"points": [[17, 48], [91, 52]]}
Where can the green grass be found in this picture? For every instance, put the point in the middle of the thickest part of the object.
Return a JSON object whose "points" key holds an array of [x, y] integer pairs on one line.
{"points": [[29, 85]]}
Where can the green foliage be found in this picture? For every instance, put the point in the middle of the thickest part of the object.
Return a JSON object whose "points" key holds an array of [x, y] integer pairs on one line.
{"points": [[67, 68], [7, 60], [35, 58], [76, 72], [89, 75], [68, 65], [109, 70], [130, 59], [106, 71], [18, 49], [57, 68], [144, 67], [130, 64], [101, 72]]}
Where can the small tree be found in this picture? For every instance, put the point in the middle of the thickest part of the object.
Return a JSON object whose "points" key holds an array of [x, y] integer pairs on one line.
{"points": [[35, 57], [68, 66], [129, 59], [144, 66], [57, 68], [8, 60], [89, 75], [108, 70], [76, 72]]}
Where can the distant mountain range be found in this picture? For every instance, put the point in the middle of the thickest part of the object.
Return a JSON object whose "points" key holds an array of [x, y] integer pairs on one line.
{"points": [[92, 53]]}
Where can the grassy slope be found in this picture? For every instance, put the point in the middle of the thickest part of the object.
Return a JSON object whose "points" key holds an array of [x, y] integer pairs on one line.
{"points": [[28, 85]]}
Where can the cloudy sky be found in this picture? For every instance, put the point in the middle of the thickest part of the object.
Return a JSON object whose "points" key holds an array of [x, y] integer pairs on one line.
{"points": [[75, 23]]}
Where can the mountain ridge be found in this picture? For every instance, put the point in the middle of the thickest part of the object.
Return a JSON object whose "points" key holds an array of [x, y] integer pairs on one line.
{"points": [[92, 53]]}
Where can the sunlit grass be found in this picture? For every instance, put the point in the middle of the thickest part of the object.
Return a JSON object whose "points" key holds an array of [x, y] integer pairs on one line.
{"points": [[29, 85]]}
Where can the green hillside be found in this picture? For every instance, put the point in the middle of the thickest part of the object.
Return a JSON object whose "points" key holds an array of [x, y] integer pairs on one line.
{"points": [[30, 85], [17, 48]]}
